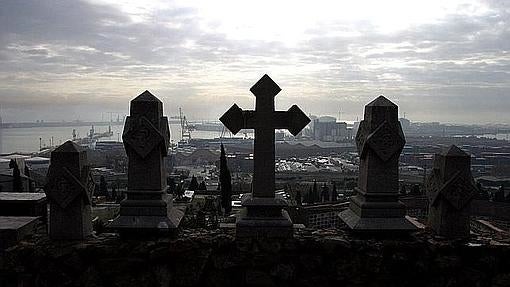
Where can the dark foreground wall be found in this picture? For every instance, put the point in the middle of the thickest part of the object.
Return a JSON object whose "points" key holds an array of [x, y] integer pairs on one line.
{"points": [[213, 258]]}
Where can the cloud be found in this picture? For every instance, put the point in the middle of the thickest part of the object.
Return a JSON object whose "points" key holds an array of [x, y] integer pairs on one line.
{"points": [[98, 55]]}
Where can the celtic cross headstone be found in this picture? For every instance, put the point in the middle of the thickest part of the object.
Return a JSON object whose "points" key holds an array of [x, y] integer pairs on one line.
{"points": [[450, 189], [147, 207], [380, 141], [69, 190], [264, 215]]}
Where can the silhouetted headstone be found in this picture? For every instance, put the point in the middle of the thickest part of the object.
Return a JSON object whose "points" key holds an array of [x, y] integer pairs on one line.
{"points": [[68, 193], [450, 189], [264, 215], [147, 208], [379, 141]]}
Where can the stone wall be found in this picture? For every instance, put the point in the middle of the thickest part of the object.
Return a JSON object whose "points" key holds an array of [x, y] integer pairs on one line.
{"points": [[214, 258]]}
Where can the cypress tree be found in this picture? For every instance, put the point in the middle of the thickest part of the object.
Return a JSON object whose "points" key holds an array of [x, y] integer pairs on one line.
{"points": [[315, 193], [193, 185], [334, 193], [309, 196], [324, 193], [17, 185], [225, 183], [103, 186]]}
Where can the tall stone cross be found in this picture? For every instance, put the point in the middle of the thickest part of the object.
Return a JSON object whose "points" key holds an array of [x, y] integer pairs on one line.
{"points": [[264, 120]]}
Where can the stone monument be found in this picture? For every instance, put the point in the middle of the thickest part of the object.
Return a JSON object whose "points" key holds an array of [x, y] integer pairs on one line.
{"points": [[147, 207], [263, 215], [69, 194], [380, 141], [450, 189]]}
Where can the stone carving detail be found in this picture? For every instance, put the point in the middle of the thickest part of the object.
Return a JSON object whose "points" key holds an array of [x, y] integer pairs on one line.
{"points": [[458, 191], [141, 135], [63, 186], [385, 142]]}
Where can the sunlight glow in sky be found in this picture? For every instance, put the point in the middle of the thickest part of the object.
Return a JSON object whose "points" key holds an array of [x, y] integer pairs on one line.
{"points": [[437, 59]]}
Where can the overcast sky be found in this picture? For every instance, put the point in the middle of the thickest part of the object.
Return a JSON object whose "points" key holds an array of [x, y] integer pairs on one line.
{"points": [[439, 60]]}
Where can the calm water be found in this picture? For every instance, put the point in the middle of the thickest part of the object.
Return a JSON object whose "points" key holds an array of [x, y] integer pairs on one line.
{"points": [[27, 139]]}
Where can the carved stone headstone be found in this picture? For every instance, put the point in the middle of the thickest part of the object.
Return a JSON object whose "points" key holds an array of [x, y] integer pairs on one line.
{"points": [[68, 193], [147, 208], [380, 141], [264, 215], [450, 189]]}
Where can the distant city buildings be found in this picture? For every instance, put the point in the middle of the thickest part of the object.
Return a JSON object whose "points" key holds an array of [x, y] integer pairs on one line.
{"points": [[328, 129]]}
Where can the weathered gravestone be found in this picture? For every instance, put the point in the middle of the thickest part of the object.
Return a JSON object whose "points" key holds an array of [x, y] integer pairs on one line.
{"points": [[379, 141], [263, 215], [69, 193], [450, 189], [147, 208]]}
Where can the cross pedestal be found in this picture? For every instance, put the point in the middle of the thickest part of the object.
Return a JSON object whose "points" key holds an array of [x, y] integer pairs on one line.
{"points": [[263, 215]]}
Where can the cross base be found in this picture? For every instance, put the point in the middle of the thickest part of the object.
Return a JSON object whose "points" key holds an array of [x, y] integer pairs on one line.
{"points": [[147, 212], [376, 212], [263, 217]]}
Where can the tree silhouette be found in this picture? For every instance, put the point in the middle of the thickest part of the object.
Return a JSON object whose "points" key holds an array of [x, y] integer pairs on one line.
{"points": [[309, 196], [17, 185], [315, 193], [324, 193], [193, 185], [334, 193], [225, 183], [170, 181], [103, 186], [298, 197]]}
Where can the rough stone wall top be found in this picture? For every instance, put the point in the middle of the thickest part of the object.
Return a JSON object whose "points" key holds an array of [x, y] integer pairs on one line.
{"points": [[213, 258]]}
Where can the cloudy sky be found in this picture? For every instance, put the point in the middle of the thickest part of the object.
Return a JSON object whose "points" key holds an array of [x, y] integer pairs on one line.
{"points": [[439, 60]]}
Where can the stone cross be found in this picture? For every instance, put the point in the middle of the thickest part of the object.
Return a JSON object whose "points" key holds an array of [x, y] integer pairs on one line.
{"points": [[264, 120], [147, 207], [68, 192], [380, 141], [264, 216], [450, 189]]}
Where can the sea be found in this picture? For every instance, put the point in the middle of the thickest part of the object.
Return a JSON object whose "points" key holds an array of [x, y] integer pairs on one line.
{"points": [[29, 140]]}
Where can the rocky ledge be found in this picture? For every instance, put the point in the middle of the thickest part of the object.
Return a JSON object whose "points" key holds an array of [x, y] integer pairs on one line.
{"points": [[215, 258]]}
